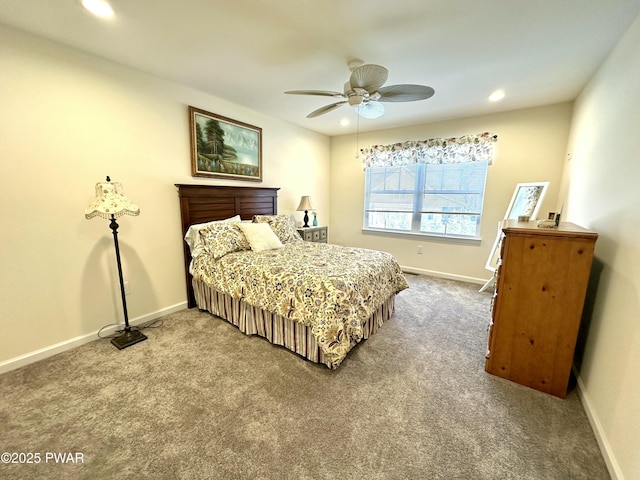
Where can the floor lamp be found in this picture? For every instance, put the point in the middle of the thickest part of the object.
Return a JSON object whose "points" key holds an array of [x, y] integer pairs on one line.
{"points": [[111, 203]]}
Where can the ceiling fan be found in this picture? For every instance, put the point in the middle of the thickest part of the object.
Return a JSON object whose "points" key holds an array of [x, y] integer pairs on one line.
{"points": [[364, 90]]}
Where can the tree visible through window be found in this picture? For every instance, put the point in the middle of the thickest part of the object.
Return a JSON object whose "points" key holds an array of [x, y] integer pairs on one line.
{"points": [[430, 187], [442, 199]]}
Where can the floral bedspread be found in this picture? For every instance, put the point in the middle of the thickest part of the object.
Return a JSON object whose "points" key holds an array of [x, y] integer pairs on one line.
{"points": [[330, 288]]}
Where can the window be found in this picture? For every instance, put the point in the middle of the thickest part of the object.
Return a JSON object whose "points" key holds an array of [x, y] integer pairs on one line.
{"points": [[428, 187], [443, 199]]}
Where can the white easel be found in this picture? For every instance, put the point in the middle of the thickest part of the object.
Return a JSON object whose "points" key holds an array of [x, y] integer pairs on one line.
{"points": [[526, 200]]}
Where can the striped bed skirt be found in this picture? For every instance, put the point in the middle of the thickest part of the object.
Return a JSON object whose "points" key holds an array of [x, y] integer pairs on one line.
{"points": [[280, 330]]}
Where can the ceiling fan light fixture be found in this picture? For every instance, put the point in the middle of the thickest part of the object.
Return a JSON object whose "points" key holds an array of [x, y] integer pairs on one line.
{"points": [[370, 110]]}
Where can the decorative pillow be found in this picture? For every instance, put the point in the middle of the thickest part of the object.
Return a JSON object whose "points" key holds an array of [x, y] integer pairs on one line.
{"points": [[284, 226], [193, 238], [260, 236], [221, 238]]}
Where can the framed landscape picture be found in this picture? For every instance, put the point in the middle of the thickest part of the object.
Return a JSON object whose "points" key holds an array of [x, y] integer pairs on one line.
{"points": [[224, 148]]}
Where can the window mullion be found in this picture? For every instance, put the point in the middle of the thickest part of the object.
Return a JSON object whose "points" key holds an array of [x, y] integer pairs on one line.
{"points": [[416, 218]]}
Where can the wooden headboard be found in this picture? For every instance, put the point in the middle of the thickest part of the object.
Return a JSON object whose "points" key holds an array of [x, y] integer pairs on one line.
{"points": [[205, 203]]}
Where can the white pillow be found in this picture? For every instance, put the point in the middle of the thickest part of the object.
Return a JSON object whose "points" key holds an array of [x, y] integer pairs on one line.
{"points": [[260, 236], [284, 226], [192, 237]]}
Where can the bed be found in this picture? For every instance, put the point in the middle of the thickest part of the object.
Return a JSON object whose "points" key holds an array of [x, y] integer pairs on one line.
{"points": [[249, 266]]}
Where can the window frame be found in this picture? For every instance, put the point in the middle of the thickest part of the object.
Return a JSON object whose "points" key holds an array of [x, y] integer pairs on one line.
{"points": [[418, 193]]}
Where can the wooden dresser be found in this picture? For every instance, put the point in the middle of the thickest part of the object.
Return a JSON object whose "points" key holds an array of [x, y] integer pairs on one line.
{"points": [[537, 305]]}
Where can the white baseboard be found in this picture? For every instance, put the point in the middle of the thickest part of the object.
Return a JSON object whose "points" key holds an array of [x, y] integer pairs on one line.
{"points": [[41, 354], [448, 276], [596, 426]]}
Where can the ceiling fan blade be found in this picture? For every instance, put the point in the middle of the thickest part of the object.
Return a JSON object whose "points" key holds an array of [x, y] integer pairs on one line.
{"points": [[405, 93], [370, 109], [325, 109], [322, 93], [370, 77]]}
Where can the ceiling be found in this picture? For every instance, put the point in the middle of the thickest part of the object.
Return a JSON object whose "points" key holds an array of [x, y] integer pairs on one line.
{"points": [[250, 51]]}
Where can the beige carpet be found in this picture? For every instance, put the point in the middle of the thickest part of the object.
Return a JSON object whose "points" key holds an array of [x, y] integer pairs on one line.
{"points": [[200, 400]]}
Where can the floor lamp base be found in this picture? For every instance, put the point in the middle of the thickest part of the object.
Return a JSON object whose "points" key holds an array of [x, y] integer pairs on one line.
{"points": [[128, 338]]}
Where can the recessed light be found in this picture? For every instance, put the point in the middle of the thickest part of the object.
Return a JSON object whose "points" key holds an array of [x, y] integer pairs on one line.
{"points": [[497, 96], [98, 7], [344, 122]]}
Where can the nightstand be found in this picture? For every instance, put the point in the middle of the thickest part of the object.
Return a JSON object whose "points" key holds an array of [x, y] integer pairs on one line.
{"points": [[313, 234]]}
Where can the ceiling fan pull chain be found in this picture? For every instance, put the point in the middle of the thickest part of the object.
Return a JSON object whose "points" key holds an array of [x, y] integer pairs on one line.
{"points": [[357, 131]]}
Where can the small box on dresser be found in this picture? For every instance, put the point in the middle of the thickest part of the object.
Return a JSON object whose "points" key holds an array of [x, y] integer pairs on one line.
{"points": [[541, 283], [313, 234]]}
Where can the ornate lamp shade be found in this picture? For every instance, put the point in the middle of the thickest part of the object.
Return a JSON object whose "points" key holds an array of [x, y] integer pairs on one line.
{"points": [[111, 200]]}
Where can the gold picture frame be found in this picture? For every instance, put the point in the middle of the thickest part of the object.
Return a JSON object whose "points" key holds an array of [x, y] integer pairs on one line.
{"points": [[224, 148]]}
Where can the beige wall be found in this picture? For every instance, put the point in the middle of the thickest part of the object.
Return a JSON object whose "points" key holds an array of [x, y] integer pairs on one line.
{"points": [[66, 121], [531, 147], [601, 190]]}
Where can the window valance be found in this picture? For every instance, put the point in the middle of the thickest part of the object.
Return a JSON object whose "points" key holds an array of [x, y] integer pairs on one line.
{"points": [[469, 148]]}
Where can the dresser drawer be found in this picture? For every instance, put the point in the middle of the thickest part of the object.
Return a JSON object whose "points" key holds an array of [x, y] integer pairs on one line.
{"points": [[320, 235], [314, 234]]}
